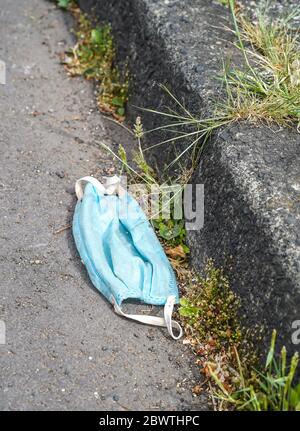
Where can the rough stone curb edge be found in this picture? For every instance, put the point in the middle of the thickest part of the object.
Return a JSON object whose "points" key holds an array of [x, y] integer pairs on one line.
{"points": [[250, 174]]}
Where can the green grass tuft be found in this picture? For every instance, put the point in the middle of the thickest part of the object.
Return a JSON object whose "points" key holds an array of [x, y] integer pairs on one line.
{"points": [[270, 389], [267, 86]]}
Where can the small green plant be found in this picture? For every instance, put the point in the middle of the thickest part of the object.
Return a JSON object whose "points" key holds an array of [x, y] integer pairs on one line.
{"points": [[170, 230], [139, 158], [94, 57], [272, 388], [64, 4], [173, 231]]}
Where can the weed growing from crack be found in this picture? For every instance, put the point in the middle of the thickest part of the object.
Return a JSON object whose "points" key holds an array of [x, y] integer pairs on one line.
{"points": [[93, 57], [270, 389]]}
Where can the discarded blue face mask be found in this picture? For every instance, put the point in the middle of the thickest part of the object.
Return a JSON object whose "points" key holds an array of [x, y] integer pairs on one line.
{"points": [[121, 252]]}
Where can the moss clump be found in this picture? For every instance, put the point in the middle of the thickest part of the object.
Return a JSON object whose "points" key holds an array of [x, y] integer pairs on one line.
{"points": [[209, 310]]}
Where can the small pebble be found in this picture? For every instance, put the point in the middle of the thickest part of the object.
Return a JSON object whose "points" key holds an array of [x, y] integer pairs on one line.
{"points": [[60, 174], [70, 190]]}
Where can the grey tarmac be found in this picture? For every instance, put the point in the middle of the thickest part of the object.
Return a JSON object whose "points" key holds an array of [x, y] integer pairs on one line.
{"points": [[65, 347]]}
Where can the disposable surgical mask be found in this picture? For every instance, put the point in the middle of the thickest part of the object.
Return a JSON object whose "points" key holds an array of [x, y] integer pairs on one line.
{"points": [[121, 252]]}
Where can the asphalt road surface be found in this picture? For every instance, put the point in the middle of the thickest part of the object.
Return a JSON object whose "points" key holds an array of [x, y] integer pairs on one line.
{"points": [[65, 347]]}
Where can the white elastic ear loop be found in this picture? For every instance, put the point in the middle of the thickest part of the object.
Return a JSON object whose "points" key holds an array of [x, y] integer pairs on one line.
{"points": [[165, 321], [113, 186], [168, 311], [92, 180]]}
